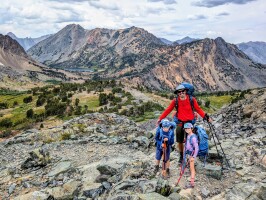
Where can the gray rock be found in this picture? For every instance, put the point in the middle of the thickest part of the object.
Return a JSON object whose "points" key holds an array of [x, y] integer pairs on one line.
{"points": [[262, 192], [142, 141], [210, 170], [60, 168], [93, 191], [174, 196], [38, 158], [205, 192], [67, 191], [151, 196], [33, 196], [107, 170], [102, 178], [148, 186], [12, 188]]}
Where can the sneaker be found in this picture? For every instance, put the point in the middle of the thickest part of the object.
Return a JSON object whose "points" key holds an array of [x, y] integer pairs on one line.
{"points": [[156, 169]]}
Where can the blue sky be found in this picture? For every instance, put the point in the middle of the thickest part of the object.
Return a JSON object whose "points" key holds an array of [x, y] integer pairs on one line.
{"points": [[234, 20]]}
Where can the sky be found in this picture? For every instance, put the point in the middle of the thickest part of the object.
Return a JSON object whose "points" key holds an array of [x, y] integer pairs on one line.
{"points": [[234, 20]]}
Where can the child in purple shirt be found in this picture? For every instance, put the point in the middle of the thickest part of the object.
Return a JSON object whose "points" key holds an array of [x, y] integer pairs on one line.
{"points": [[192, 149]]}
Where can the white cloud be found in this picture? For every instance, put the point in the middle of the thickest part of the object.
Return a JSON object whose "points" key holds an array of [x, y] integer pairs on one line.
{"points": [[171, 19]]}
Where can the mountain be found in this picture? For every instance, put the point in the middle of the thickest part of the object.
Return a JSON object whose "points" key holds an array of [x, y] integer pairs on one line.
{"points": [[255, 50], [17, 68], [75, 47], [185, 40], [165, 41], [139, 58], [27, 42]]}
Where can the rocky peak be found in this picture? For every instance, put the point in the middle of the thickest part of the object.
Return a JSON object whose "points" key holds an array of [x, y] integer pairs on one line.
{"points": [[12, 46]]}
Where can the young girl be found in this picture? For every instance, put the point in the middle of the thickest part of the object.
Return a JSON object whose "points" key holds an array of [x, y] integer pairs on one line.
{"points": [[191, 149], [164, 134]]}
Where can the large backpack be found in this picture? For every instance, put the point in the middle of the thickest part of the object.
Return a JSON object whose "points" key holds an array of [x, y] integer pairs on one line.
{"points": [[202, 138], [190, 92]]}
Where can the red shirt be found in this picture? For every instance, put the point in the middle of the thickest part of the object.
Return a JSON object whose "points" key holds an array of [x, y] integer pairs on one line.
{"points": [[185, 112]]}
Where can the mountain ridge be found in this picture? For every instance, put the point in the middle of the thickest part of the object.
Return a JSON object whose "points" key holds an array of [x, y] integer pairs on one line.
{"points": [[134, 53]]}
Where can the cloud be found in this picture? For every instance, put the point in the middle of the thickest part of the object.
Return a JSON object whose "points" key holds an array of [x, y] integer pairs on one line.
{"points": [[223, 14], [101, 5], [164, 1], [214, 3], [72, 1], [197, 17]]}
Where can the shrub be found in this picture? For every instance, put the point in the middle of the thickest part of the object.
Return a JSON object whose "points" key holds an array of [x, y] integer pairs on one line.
{"points": [[207, 104], [27, 99], [3, 105], [30, 113], [7, 123]]}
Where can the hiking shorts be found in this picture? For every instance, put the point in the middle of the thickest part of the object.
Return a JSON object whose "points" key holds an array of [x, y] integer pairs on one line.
{"points": [[180, 133], [159, 153]]}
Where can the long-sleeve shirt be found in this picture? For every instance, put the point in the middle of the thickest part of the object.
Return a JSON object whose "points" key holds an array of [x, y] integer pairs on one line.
{"points": [[184, 112], [160, 135], [194, 147]]}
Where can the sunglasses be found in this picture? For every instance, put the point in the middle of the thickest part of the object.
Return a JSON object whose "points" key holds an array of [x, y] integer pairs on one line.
{"points": [[181, 91]]}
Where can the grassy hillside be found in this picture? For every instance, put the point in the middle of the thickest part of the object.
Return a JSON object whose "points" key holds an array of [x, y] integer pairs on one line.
{"points": [[50, 105]]}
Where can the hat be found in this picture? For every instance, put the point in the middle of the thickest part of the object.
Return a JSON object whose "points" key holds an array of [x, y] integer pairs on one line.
{"points": [[179, 87], [188, 125], [165, 123]]}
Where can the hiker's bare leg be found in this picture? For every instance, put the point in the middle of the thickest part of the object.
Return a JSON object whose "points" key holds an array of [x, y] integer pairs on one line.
{"points": [[157, 162], [192, 167]]}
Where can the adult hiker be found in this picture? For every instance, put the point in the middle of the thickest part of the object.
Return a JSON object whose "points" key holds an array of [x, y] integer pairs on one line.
{"points": [[191, 149], [186, 108], [164, 139]]}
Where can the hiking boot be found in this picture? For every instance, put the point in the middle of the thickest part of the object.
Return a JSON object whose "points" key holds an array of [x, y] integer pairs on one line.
{"points": [[156, 169]]}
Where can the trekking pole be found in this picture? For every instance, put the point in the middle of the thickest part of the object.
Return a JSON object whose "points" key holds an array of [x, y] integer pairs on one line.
{"points": [[182, 171], [183, 168], [214, 134], [164, 159]]}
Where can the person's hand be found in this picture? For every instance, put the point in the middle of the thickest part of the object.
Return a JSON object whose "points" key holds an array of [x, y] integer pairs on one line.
{"points": [[192, 159], [165, 139], [207, 118], [158, 122]]}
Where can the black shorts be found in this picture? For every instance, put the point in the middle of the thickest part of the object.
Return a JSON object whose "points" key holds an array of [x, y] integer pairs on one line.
{"points": [[180, 133]]}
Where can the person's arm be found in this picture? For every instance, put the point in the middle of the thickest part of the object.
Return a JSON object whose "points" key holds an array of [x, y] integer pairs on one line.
{"points": [[198, 109], [196, 146], [167, 110]]}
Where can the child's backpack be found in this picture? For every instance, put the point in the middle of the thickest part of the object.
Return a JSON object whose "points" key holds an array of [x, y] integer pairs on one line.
{"points": [[202, 138]]}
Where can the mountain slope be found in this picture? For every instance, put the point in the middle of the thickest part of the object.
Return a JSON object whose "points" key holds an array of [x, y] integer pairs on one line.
{"points": [[185, 40], [60, 46], [27, 43], [208, 64], [255, 50], [134, 53], [18, 69]]}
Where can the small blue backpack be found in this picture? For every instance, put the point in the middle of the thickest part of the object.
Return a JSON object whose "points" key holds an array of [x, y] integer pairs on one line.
{"points": [[202, 138]]}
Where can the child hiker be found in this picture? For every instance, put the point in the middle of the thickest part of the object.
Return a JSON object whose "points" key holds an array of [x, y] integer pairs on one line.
{"points": [[164, 138], [191, 149]]}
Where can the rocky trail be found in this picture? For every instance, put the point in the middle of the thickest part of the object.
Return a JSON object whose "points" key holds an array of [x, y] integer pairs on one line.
{"points": [[106, 156]]}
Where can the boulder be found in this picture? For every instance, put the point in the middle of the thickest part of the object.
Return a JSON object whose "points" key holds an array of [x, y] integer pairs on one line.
{"points": [[33, 196], [67, 191], [60, 168], [151, 196]]}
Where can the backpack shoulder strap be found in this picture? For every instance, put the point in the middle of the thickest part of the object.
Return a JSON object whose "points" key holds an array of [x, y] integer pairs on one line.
{"points": [[176, 103], [191, 99], [190, 139]]}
